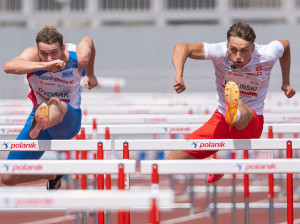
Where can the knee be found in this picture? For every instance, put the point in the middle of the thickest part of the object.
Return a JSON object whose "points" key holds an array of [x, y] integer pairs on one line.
{"points": [[9, 180], [54, 101], [58, 106]]}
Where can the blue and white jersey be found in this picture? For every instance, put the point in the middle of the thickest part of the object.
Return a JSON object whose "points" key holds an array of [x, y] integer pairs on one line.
{"points": [[64, 84]]}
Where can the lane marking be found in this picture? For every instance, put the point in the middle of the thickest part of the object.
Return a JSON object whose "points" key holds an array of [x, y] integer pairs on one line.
{"points": [[191, 217], [52, 220]]}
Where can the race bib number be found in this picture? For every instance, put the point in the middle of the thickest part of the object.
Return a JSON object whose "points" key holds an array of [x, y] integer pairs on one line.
{"points": [[248, 84]]}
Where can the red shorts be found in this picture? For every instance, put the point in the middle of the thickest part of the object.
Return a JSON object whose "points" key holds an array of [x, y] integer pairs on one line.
{"points": [[217, 128]]}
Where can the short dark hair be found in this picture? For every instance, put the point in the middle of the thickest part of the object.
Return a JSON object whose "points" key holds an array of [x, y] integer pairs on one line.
{"points": [[49, 35], [243, 31]]}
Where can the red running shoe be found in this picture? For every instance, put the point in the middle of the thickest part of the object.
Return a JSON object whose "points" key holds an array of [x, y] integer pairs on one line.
{"points": [[213, 178]]}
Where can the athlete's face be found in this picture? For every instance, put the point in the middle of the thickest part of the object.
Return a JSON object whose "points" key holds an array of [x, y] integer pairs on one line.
{"points": [[50, 52], [239, 51]]}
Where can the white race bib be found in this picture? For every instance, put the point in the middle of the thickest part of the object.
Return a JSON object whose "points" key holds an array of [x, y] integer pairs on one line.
{"points": [[248, 84]]}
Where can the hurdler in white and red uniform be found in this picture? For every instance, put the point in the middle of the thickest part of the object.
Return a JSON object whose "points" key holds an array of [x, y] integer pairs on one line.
{"points": [[253, 82], [242, 71]]}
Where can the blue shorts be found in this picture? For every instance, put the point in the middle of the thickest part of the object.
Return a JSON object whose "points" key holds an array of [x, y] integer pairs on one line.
{"points": [[67, 129]]}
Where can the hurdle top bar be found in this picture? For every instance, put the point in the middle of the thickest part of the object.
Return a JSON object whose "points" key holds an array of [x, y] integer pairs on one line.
{"points": [[149, 109], [153, 118], [84, 200], [189, 166], [206, 144], [155, 128], [53, 145], [65, 167]]}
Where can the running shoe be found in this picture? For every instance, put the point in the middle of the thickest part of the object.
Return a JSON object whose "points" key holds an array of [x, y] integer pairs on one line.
{"points": [[213, 178], [54, 184], [232, 94], [41, 117]]}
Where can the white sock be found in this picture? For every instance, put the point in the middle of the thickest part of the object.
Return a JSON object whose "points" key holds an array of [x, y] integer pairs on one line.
{"points": [[238, 115]]}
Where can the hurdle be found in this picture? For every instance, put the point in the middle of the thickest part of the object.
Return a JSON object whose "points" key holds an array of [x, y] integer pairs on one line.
{"points": [[152, 118], [176, 128], [232, 167], [208, 98], [223, 144], [53, 145], [148, 109], [78, 199], [82, 200], [206, 144]]}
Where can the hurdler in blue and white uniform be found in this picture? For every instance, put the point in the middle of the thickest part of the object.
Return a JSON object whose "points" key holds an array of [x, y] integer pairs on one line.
{"points": [[64, 85], [54, 73]]}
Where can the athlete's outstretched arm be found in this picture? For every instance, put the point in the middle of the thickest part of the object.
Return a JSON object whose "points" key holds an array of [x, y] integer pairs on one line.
{"points": [[181, 52], [285, 64], [86, 53], [29, 61]]}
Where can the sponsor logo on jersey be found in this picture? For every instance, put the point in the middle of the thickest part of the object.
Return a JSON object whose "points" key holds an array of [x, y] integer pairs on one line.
{"points": [[44, 77], [67, 73], [259, 68], [64, 94]]}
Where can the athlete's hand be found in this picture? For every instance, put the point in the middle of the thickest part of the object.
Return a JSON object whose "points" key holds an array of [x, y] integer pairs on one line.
{"points": [[289, 91], [179, 85], [55, 65], [90, 81]]}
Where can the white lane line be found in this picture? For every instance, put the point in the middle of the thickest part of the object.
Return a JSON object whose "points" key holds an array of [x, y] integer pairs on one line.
{"points": [[297, 221], [201, 215], [191, 217], [52, 220]]}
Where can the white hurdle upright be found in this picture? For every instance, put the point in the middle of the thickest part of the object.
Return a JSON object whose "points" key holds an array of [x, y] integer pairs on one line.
{"points": [[225, 144]]}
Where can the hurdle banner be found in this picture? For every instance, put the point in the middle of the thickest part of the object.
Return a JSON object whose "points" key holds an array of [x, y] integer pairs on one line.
{"points": [[148, 109], [153, 118], [237, 166], [206, 144], [53, 145], [65, 167], [85, 200], [153, 128]]}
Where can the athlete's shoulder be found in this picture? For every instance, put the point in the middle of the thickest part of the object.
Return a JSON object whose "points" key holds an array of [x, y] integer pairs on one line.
{"points": [[215, 50], [274, 45], [71, 47], [30, 54], [272, 50]]}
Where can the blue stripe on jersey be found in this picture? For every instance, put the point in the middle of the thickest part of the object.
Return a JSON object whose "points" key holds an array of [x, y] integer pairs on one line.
{"points": [[72, 62], [39, 73], [73, 56]]}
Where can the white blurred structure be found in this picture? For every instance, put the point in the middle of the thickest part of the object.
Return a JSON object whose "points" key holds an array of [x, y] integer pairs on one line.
{"points": [[94, 13], [134, 39]]}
